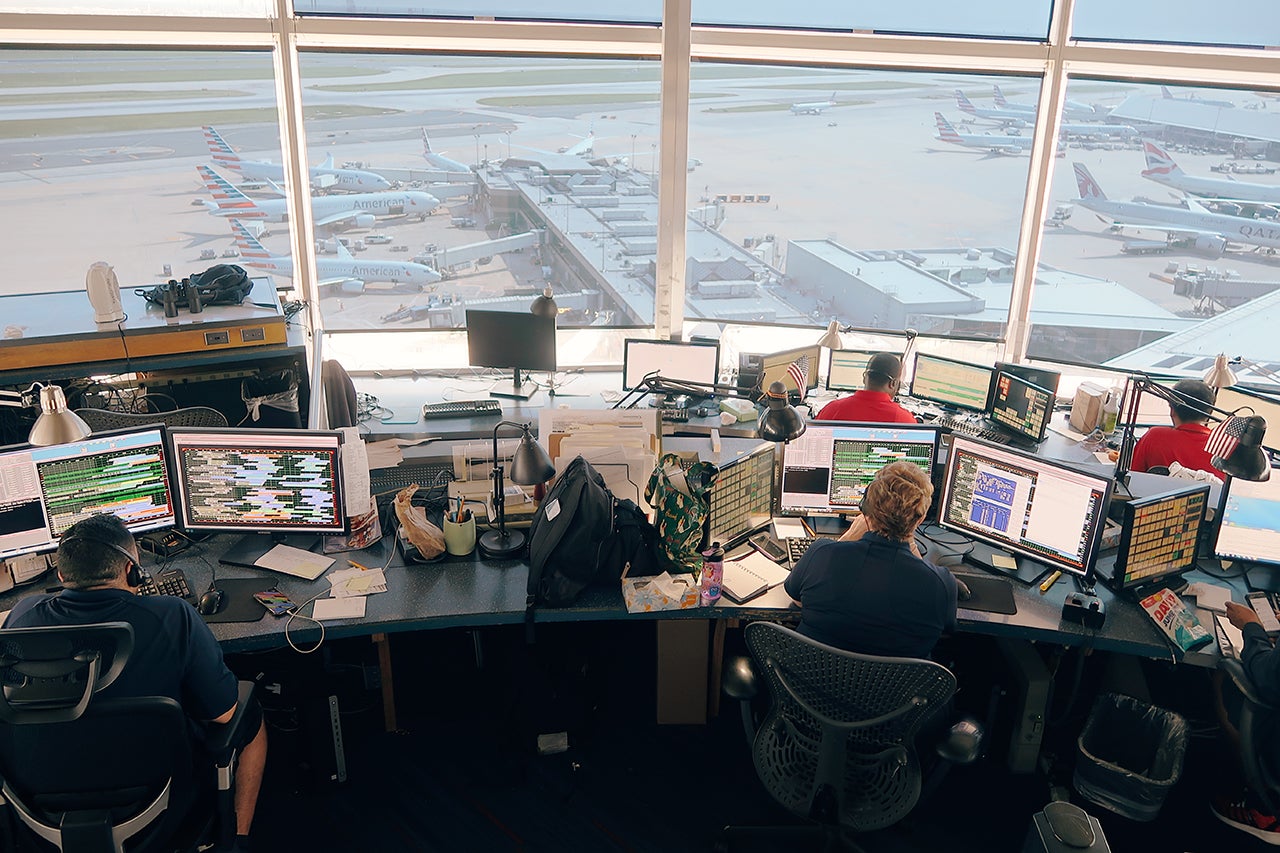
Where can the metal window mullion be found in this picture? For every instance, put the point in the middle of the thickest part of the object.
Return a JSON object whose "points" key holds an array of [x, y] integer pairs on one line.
{"points": [[669, 285], [293, 148]]}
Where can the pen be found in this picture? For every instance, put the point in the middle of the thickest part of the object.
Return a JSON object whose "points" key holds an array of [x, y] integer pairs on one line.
{"points": [[356, 565], [1050, 581]]}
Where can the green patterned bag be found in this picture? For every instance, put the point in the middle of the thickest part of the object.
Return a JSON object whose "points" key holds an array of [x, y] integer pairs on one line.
{"points": [[679, 515]]}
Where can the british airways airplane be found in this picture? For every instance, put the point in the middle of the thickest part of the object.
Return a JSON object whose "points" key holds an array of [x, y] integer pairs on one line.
{"points": [[1162, 169]]}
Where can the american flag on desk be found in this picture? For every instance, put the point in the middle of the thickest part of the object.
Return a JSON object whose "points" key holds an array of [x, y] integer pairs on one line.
{"points": [[1226, 437], [798, 372]]}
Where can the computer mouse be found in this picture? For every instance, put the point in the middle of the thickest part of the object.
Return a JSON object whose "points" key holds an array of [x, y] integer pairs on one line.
{"points": [[962, 591], [211, 602], [1069, 824]]}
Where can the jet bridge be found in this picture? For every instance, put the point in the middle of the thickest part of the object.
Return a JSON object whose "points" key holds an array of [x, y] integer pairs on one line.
{"points": [[460, 256]]}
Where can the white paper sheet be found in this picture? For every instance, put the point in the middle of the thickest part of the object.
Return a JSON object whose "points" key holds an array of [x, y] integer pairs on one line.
{"points": [[294, 561], [327, 609], [355, 473]]}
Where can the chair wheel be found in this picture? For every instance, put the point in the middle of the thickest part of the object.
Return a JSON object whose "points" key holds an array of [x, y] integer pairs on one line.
{"points": [[720, 846]]}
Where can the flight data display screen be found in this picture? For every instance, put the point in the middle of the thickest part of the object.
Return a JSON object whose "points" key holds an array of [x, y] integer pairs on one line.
{"points": [[259, 480], [1025, 504], [951, 383], [1158, 535], [847, 367], [742, 497], [1021, 407], [827, 470], [1250, 526]]}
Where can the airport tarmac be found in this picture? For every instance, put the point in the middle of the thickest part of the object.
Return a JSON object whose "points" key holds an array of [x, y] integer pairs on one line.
{"points": [[867, 173]]}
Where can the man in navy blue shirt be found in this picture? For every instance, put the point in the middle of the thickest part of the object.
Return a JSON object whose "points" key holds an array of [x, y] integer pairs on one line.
{"points": [[174, 653], [870, 592]]}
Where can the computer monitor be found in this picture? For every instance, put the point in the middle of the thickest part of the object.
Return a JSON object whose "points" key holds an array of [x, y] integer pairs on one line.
{"points": [[45, 490], [847, 367], [827, 470], [258, 481], [1231, 399], [1042, 376], [774, 368], [1023, 504], [742, 497], [952, 383], [1249, 528], [1158, 538], [685, 361], [1021, 407], [511, 340]]}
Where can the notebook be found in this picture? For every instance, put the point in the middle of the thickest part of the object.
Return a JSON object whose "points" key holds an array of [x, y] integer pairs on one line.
{"points": [[751, 576]]}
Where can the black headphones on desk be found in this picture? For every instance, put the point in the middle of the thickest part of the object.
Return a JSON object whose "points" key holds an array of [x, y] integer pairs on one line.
{"points": [[134, 576]]}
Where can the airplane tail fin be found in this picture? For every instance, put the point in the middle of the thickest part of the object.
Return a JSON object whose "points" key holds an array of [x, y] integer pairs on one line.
{"points": [[1165, 93], [250, 249], [1159, 164], [946, 132], [220, 152], [999, 96], [1089, 188], [965, 105], [328, 162], [426, 143], [226, 198]]}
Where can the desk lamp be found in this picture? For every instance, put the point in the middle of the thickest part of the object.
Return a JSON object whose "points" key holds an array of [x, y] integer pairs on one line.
{"points": [[56, 424], [1220, 375], [544, 305], [530, 465], [779, 422]]}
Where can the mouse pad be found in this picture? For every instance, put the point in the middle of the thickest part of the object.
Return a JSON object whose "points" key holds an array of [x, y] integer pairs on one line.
{"points": [[990, 595], [239, 605]]}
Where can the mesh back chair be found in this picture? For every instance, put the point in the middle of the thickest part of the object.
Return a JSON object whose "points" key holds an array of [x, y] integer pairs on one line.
{"points": [[838, 743], [1257, 720], [100, 420], [87, 773]]}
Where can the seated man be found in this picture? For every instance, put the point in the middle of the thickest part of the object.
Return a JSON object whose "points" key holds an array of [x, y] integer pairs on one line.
{"points": [[1184, 441], [174, 653], [870, 592], [874, 403]]}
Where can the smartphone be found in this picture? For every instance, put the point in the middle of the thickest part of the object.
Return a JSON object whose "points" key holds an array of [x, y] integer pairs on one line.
{"points": [[770, 547], [276, 602]]}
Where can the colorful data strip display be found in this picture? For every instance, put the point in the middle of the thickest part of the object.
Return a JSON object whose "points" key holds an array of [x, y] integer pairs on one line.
{"points": [[1159, 535]]}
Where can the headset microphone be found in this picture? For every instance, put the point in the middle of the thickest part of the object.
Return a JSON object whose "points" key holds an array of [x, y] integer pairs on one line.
{"points": [[134, 577]]}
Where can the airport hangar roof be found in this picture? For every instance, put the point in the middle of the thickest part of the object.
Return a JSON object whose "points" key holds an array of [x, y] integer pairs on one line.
{"points": [[986, 275], [1228, 121], [1248, 330]]}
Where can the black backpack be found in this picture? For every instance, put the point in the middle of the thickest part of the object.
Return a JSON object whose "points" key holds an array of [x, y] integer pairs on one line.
{"points": [[581, 534], [220, 284]]}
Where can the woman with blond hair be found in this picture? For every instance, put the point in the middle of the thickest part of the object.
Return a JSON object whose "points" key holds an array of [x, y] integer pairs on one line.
{"points": [[870, 591]]}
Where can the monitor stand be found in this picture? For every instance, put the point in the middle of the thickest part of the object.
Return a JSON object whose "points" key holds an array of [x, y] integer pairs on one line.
{"points": [[518, 390], [250, 548], [1262, 578], [985, 556]]}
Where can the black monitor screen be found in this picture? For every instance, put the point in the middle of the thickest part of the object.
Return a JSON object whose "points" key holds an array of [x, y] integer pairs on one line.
{"points": [[951, 382], [1021, 407], [678, 360], [511, 340], [1030, 506], [1158, 535], [1042, 376], [259, 481], [1249, 529]]}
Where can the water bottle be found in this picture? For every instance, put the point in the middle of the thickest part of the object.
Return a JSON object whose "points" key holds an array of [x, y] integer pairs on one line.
{"points": [[712, 574], [1111, 411]]}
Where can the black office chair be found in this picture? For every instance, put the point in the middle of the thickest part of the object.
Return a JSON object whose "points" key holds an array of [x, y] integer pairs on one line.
{"points": [[837, 745], [1260, 776], [84, 773], [193, 416]]}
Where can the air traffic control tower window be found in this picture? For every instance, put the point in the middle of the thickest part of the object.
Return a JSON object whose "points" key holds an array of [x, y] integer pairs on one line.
{"points": [[1026, 19], [1234, 23], [503, 176], [101, 152], [632, 12], [882, 199]]}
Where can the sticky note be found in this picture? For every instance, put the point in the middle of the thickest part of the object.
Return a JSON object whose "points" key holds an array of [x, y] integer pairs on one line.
{"points": [[1004, 561]]}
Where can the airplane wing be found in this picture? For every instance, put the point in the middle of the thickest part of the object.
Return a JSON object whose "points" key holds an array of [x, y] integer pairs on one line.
{"points": [[340, 280], [335, 218], [1171, 230]]}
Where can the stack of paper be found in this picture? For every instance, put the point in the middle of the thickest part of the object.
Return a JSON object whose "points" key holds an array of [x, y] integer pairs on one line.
{"points": [[621, 444], [352, 582]]}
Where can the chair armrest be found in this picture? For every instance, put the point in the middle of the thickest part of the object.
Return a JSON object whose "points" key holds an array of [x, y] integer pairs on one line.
{"points": [[1235, 670], [222, 735]]}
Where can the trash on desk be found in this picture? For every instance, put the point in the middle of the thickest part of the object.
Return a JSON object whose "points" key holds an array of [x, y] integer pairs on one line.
{"points": [[659, 592], [421, 533]]}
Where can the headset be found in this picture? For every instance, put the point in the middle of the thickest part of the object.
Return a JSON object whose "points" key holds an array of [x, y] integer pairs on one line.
{"points": [[134, 577]]}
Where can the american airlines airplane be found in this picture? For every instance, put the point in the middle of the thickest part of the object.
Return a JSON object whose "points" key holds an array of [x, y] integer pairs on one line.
{"points": [[339, 270], [814, 108], [1163, 170], [994, 143], [1074, 110], [1013, 118], [1211, 231], [354, 209], [324, 176], [439, 161]]}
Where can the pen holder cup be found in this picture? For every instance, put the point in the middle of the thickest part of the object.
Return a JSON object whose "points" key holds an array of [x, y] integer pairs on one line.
{"points": [[460, 536]]}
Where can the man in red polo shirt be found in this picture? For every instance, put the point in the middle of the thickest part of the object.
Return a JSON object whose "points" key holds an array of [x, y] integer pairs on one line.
{"points": [[874, 403], [1184, 441]]}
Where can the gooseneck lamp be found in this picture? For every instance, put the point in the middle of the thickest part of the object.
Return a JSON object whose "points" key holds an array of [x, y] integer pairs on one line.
{"points": [[779, 422], [544, 305], [530, 465], [56, 424]]}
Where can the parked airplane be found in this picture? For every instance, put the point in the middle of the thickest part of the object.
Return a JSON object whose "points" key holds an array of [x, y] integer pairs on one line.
{"points": [[1163, 170], [814, 108], [324, 176], [990, 142], [355, 209], [1073, 110], [332, 271], [1210, 231], [1192, 99], [439, 161], [1013, 118], [584, 148]]}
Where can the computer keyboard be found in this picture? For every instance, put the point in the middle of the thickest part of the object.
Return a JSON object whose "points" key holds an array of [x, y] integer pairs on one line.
{"points": [[971, 429], [172, 582], [461, 408], [796, 547], [425, 474]]}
